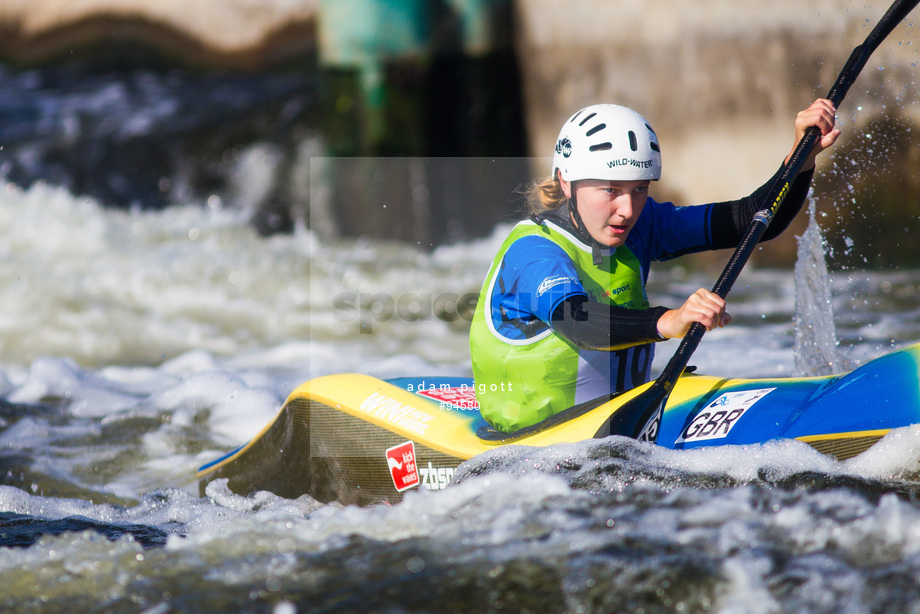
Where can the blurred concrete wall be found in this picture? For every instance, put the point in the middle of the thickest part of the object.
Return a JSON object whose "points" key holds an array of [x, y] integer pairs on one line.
{"points": [[223, 32], [720, 80]]}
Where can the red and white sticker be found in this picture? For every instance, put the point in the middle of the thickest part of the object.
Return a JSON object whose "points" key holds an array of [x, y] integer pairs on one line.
{"points": [[716, 420], [463, 397], [403, 468]]}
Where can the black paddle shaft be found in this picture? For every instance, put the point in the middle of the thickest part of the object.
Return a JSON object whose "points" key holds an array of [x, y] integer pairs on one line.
{"points": [[640, 417]]}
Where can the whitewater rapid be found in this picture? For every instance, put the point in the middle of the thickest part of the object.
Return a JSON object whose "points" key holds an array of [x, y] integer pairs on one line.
{"points": [[139, 345]]}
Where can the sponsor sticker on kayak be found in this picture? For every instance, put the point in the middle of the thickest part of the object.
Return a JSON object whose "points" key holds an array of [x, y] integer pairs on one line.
{"points": [[716, 420], [462, 397], [436, 478], [396, 413], [403, 468]]}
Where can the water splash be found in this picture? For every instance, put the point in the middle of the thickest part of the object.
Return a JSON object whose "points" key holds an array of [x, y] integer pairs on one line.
{"points": [[815, 336]]}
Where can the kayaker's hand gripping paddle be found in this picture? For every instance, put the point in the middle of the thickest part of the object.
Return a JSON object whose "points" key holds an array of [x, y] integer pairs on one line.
{"points": [[640, 418]]}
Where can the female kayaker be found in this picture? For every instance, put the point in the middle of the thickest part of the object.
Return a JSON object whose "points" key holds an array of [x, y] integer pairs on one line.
{"points": [[563, 316]]}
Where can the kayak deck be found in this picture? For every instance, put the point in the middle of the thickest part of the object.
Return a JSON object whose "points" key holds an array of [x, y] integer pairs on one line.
{"points": [[357, 439]]}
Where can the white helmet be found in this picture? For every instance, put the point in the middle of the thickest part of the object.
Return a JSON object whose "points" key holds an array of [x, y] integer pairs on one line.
{"points": [[607, 141]]}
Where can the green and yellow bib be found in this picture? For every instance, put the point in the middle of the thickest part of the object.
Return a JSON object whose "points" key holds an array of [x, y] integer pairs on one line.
{"points": [[521, 381]]}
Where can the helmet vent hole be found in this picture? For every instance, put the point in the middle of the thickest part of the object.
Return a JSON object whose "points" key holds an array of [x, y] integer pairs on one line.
{"points": [[585, 120], [601, 147], [655, 147], [633, 141], [595, 129]]}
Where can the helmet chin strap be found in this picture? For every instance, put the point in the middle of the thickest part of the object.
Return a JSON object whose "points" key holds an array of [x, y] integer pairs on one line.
{"points": [[582, 230]]}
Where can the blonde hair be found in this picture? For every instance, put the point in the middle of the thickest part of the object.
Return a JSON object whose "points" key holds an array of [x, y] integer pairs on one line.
{"points": [[545, 195]]}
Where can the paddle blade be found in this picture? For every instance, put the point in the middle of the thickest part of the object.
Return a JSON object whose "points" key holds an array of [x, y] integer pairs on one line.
{"points": [[640, 417]]}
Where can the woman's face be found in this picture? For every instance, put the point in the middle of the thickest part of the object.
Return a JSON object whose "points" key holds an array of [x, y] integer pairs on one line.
{"points": [[609, 209]]}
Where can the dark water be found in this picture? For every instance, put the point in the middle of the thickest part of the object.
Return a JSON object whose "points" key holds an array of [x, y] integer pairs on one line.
{"points": [[151, 137], [133, 136]]}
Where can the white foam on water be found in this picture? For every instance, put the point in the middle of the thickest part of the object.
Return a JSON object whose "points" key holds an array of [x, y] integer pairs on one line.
{"points": [[84, 393], [161, 340], [895, 457], [112, 287]]}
